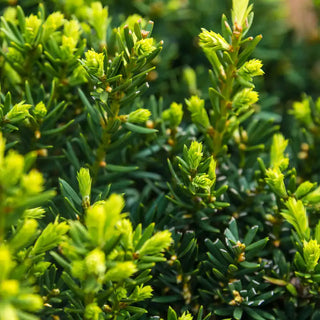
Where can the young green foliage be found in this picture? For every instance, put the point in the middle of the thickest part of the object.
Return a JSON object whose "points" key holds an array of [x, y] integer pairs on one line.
{"points": [[22, 244], [231, 95], [245, 235], [109, 259], [196, 181], [119, 78]]}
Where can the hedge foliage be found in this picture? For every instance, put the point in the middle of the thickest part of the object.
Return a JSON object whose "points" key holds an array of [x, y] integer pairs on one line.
{"points": [[164, 169]]}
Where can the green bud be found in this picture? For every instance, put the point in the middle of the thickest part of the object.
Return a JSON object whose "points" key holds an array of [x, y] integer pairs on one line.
{"points": [[199, 114], [302, 112], [53, 22], [120, 293], [34, 213], [194, 155], [33, 182], [297, 216], [144, 292], [132, 20], [78, 269], [72, 29], [12, 169], [122, 271], [303, 189], [173, 115], [25, 234], [202, 182], [84, 181], [139, 116], [9, 288], [69, 44], [275, 180], [311, 254], [144, 46], [124, 226], [15, 56], [92, 312], [32, 26], [212, 40], [98, 18], [68, 248], [186, 316], [40, 110], [102, 217], [41, 267], [79, 75], [95, 220], [114, 205], [18, 112], [95, 263], [250, 69], [277, 158], [240, 12], [212, 169], [156, 244], [10, 14], [244, 99], [50, 237], [313, 197], [29, 302], [141, 293], [94, 63]]}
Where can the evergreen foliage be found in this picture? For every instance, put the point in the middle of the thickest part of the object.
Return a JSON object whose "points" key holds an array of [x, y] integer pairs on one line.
{"points": [[135, 184]]}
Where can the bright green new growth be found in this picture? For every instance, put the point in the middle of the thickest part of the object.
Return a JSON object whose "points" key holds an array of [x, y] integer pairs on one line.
{"points": [[212, 40], [231, 94], [196, 180], [302, 111], [84, 181], [213, 226], [311, 254], [173, 115], [106, 255], [250, 69], [277, 157], [198, 112], [240, 11], [194, 155], [186, 316], [297, 216], [25, 248], [313, 197], [102, 217], [304, 189], [244, 99], [94, 62], [50, 237], [275, 180], [139, 116], [156, 244]]}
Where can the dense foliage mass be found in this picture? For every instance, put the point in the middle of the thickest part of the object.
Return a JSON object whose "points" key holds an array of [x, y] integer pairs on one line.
{"points": [[137, 184]]}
